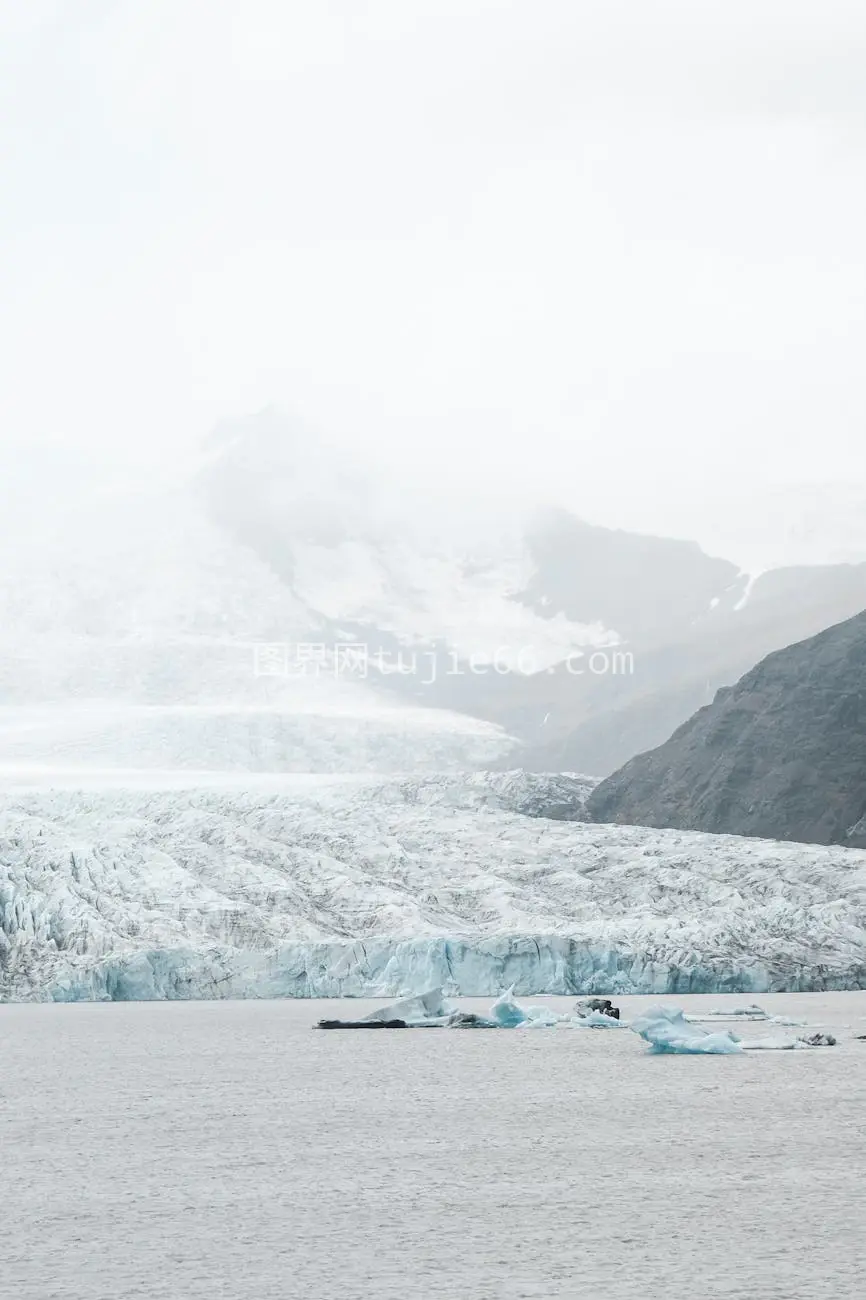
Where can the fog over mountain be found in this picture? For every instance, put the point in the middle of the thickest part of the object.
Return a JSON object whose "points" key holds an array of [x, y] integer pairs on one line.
{"points": [[394, 387], [604, 257], [276, 608]]}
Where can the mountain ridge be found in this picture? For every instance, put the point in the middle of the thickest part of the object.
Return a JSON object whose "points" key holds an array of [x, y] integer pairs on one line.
{"points": [[781, 754]]}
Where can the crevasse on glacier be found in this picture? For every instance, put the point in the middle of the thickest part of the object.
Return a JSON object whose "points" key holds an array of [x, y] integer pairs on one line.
{"points": [[393, 886]]}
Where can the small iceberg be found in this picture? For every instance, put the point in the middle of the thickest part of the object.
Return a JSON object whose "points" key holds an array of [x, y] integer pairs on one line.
{"points": [[804, 1042], [422, 1011], [597, 1013], [507, 1013], [667, 1030], [751, 1012], [422, 1008], [597, 1020], [542, 1018], [588, 1007]]}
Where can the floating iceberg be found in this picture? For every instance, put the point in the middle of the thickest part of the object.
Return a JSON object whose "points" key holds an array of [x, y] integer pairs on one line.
{"points": [[751, 1012], [742, 1015], [805, 1041], [430, 1010], [507, 1013], [597, 1013], [598, 1020], [667, 1030], [543, 1018], [422, 1008]]}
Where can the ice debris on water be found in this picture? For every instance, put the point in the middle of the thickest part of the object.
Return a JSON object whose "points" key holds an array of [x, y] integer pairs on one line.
{"points": [[788, 1044], [432, 1005], [598, 1020], [666, 1029], [433, 1010], [750, 1012], [742, 1015]]}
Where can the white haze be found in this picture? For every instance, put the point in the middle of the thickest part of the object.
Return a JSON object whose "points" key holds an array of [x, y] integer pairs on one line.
{"points": [[608, 254]]}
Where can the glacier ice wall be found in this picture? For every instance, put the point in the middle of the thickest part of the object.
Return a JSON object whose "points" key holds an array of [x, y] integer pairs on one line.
{"points": [[386, 967], [387, 887]]}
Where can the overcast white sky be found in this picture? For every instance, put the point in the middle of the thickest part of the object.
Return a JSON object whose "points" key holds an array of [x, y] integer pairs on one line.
{"points": [[605, 251]]}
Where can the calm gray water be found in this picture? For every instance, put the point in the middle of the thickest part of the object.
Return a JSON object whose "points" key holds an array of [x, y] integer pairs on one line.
{"points": [[171, 1151]]}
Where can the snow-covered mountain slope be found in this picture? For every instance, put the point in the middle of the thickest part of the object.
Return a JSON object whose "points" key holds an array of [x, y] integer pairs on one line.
{"points": [[166, 633], [148, 569], [145, 566], [136, 633], [360, 888]]}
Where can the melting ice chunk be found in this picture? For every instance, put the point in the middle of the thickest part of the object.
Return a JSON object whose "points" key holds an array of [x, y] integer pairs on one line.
{"points": [[802, 1043], [431, 1007], [751, 1012], [597, 1020], [542, 1018], [507, 1013], [667, 1030]]}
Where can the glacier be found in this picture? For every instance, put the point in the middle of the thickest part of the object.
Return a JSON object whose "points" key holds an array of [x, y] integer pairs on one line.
{"points": [[381, 887]]}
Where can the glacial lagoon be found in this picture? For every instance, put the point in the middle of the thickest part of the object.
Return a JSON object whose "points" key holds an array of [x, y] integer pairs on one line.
{"points": [[229, 1151]]}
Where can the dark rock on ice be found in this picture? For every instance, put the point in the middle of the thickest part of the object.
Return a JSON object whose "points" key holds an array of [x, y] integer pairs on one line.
{"points": [[469, 1020], [362, 1024], [604, 1005]]}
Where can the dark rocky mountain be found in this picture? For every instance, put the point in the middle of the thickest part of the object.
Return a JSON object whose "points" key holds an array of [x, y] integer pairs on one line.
{"points": [[782, 754], [651, 589], [595, 724]]}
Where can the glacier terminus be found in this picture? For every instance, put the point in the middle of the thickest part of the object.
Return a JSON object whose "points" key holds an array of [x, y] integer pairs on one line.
{"points": [[385, 886]]}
